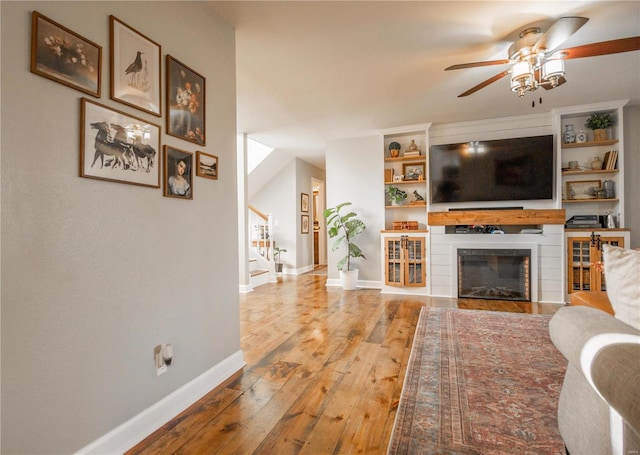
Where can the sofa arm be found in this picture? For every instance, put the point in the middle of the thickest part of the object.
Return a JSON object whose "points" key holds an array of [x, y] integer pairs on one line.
{"points": [[615, 372], [572, 326]]}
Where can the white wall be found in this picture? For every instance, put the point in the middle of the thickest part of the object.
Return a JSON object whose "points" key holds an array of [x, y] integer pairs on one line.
{"points": [[355, 173], [95, 273]]}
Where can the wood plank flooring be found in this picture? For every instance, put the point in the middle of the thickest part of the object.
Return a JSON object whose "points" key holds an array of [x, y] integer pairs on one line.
{"points": [[324, 373]]}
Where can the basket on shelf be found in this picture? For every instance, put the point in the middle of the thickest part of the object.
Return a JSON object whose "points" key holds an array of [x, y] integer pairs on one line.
{"points": [[405, 225]]}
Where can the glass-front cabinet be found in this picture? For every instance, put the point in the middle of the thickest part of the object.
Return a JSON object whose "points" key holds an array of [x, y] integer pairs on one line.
{"points": [[405, 261], [585, 253]]}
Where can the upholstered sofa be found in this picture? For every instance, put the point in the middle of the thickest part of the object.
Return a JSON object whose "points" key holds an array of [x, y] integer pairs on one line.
{"points": [[599, 335]]}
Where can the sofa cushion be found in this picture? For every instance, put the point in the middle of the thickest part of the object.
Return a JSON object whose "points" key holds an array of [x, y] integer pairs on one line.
{"points": [[622, 274]]}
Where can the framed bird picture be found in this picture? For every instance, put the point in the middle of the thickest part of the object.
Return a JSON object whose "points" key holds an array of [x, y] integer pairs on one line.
{"points": [[135, 68], [185, 102]]}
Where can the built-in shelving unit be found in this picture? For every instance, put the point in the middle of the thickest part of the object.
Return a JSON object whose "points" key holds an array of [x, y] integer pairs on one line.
{"points": [[579, 251], [413, 209]]}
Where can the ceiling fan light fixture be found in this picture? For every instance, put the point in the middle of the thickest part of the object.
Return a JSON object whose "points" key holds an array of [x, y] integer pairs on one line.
{"points": [[522, 78], [552, 71]]}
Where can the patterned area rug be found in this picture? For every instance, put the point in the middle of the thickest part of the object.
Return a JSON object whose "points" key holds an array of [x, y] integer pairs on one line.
{"points": [[480, 382]]}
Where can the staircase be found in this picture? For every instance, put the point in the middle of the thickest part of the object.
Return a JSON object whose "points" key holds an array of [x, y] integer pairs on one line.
{"points": [[257, 275], [261, 264]]}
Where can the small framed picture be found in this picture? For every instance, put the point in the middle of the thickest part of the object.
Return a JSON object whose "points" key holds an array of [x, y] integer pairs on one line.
{"points": [[118, 147], [207, 165], [305, 224], [583, 189], [178, 173], [413, 171], [185, 102], [62, 55], [135, 68], [304, 202]]}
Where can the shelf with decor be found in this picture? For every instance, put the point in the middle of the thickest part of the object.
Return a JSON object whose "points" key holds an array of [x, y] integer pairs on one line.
{"points": [[405, 165], [588, 163]]}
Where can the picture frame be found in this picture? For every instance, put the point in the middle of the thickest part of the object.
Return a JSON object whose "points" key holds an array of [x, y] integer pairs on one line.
{"points": [[118, 147], [186, 96], [582, 189], [304, 202], [135, 68], [304, 225], [413, 171], [63, 56], [207, 165], [178, 173]]}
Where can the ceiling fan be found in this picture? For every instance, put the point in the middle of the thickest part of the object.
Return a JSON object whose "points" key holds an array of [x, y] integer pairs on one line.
{"points": [[536, 60]]}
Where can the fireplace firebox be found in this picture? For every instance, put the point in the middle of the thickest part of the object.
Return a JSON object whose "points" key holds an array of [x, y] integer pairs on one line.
{"points": [[494, 274]]}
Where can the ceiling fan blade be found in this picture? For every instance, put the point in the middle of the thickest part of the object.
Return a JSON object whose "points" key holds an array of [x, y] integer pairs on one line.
{"points": [[477, 64], [602, 48], [485, 83], [559, 32]]}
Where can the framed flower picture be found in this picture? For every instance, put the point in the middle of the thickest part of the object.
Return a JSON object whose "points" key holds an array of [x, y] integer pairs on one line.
{"points": [[135, 68], [185, 102], [63, 56]]}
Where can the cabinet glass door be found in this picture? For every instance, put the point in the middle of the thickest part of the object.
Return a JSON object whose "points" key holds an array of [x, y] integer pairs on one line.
{"points": [[393, 256], [414, 261]]}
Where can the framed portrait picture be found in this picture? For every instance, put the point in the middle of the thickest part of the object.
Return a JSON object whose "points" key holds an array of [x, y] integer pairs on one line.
{"points": [[305, 224], [413, 171], [207, 165], [304, 202], [583, 189], [135, 68], [185, 102], [178, 173], [62, 55], [118, 147]]}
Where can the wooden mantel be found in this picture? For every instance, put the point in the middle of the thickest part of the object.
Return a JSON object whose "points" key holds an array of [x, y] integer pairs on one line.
{"points": [[504, 217]]}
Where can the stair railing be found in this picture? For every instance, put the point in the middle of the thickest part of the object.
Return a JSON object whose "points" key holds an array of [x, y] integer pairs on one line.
{"points": [[261, 228]]}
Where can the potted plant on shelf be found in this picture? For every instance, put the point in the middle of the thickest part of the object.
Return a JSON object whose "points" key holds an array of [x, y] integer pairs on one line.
{"points": [[344, 228], [396, 195], [599, 122]]}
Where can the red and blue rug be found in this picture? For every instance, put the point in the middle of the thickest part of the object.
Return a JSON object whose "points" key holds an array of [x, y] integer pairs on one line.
{"points": [[480, 382]]}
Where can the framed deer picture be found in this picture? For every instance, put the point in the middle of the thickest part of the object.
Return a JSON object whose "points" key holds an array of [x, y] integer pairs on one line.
{"points": [[118, 147]]}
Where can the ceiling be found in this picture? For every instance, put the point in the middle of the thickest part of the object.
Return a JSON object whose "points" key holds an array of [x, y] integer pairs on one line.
{"points": [[312, 72]]}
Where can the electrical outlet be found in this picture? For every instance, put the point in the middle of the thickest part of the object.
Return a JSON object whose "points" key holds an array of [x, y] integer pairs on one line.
{"points": [[161, 367]]}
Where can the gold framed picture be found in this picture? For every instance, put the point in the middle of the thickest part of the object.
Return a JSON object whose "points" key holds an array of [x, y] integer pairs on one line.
{"points": [[583, 189]]}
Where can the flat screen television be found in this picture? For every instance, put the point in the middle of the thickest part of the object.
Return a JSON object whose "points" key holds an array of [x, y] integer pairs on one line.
{"points": [[497, 170]]}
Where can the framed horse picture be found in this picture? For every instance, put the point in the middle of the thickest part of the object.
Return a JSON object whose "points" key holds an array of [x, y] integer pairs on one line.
{"points": [[118, 147]]}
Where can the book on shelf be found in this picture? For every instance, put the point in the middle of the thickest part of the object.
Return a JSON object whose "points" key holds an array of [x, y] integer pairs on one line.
{"points": [[388, 175], [605, 160], [412, 153], [611, 165]]}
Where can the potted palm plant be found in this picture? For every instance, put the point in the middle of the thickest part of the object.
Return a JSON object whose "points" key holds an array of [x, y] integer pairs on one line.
{"points": [[344, 227], [599, 122]]}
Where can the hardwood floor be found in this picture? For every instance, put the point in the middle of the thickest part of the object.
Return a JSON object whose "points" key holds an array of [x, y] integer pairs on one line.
{"points": [[324, 373]]}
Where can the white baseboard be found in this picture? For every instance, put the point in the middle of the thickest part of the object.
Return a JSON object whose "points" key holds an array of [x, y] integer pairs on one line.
{"points": [[362, 284], [130, 433], [245, 288]]}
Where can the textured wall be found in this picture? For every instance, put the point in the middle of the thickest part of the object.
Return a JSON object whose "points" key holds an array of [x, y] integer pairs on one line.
{"points": [[95, 273]]}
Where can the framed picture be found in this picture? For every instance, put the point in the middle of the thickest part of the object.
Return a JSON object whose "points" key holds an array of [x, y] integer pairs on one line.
{"points": [[118, 147], [207, 165], [185, 102], [135, 68], [63, 56], [178, 173], [305, 224], [583, 189], [413, 171], [304, 202]]}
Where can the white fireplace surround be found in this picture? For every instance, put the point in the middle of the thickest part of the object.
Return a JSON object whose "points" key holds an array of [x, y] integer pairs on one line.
{"points": [[533, 264]]}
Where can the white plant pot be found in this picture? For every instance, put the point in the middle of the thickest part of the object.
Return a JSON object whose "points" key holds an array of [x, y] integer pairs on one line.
{"points": [[349, 279]]}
